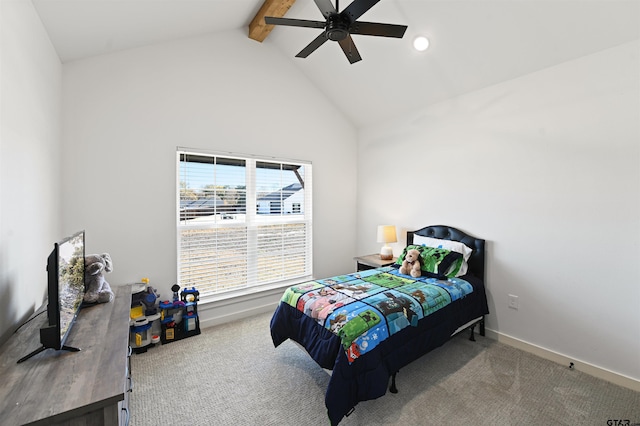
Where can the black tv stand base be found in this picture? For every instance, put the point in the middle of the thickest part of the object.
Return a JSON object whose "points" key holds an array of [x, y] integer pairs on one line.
{"points": [[42, 348]]}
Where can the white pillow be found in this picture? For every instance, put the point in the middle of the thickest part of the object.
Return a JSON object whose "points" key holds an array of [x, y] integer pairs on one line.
{"points": [[456, 246]]}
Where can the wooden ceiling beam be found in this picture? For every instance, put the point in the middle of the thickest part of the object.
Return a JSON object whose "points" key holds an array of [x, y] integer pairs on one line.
{"points": [[258, 30]]}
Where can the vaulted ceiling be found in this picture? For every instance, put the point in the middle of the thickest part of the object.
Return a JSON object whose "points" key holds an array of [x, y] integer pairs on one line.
{"points": [[474, 43]]}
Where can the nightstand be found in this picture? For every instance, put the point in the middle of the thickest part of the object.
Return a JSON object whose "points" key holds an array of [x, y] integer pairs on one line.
{"points": [[371, 261]]}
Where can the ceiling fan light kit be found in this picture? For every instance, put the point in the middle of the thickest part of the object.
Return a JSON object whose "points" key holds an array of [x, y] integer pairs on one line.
{"points": [[339, 26]]}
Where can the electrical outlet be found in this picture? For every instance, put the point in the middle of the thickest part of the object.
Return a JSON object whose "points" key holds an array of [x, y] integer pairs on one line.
{"points": [[513, 302]]}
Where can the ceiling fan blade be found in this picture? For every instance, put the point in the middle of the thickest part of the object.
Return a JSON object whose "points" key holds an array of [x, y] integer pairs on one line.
{"points": [[378, 29], [272, 20], [357, 8], [350, 50], [311, 47], [326, 7]]}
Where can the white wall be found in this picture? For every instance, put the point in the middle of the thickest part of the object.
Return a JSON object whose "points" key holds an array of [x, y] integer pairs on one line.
{"points": [[546, 168], [30, 83], [125, 114]]}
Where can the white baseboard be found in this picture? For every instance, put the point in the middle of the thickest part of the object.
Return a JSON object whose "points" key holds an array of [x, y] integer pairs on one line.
{"points": [[590, 369], [222, 319], [218, 313]]}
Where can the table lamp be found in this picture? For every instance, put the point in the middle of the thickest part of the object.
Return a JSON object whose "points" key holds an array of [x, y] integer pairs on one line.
{"points": [[386, 235]]}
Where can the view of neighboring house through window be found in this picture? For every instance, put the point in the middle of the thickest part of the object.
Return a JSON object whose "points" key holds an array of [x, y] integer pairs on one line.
{"points": [[244, 223]]}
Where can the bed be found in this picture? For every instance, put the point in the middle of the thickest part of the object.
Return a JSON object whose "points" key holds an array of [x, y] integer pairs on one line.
{"points": [[367, 325]]}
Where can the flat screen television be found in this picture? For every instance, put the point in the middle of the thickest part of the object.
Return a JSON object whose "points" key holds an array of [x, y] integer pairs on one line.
{"points": [[65, 289]]}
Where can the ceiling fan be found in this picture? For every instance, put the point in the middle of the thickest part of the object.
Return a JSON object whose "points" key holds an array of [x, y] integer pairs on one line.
{"points": [[338, 26]]}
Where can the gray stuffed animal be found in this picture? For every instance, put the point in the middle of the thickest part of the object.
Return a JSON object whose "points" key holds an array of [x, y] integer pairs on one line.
{"points": [[96, 288]]}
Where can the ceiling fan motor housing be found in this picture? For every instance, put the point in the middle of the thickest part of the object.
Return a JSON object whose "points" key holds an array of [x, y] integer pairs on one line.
{"points": [[337, 27]]}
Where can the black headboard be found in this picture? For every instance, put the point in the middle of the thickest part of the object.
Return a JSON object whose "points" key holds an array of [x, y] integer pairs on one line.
{"points": [[443, 232]]}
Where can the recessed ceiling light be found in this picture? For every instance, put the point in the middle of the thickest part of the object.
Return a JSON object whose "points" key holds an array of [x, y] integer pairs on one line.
{"points": [[420, 43]]}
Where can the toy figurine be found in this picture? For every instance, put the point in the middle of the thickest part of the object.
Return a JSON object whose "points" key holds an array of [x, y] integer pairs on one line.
{"points": [[175, 288]]}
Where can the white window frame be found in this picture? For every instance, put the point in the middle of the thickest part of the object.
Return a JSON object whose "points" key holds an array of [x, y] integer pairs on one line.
{"points": [[254, 224]]}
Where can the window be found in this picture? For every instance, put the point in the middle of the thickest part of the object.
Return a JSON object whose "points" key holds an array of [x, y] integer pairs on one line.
{"points": [[226, 247]]}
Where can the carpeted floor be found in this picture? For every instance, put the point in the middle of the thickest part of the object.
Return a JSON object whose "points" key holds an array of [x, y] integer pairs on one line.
{"points": [[232, 375]]}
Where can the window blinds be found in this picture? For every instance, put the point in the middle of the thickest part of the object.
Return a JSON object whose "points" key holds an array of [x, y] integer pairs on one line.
{"points": [[243, 223]]}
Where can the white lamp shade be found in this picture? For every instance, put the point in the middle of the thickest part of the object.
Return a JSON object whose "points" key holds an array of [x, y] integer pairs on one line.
{"points": [[387, 234]]}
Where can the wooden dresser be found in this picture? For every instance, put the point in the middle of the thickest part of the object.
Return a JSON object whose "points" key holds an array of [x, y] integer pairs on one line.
{"points": [[89, 387]]}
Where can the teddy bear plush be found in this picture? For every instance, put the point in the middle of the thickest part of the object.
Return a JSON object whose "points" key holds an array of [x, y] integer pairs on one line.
{"points": [[96, 288], [411, 264]]}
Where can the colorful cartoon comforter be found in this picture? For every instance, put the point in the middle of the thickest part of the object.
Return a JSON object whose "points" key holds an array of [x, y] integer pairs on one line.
{"points": [[367, 307], [367, 325]]}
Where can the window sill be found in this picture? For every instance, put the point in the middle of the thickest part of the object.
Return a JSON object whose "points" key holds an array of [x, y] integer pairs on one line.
{"points": [[251, 292], [233, 306]]}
